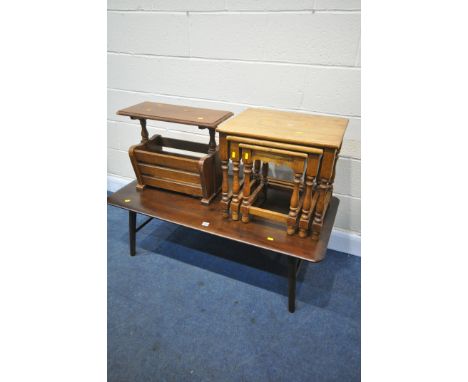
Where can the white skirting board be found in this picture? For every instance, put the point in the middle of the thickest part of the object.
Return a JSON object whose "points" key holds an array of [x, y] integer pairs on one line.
{"points": [[115, 183], [340, 240]]}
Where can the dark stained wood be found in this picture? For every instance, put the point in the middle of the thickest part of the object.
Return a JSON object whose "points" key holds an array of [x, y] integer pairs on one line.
{"points": [[167, 173], [188, 212], [132, 231], [181, 144], [187, 174], [212, 143], [185, 188], [210, 176], [176, 161], [293, 268], [178, 114], [132, 154], [175, 171], [144, 130]]}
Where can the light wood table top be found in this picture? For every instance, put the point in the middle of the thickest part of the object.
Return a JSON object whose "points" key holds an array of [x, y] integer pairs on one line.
{"points": [[178, 114], [295, 128]]}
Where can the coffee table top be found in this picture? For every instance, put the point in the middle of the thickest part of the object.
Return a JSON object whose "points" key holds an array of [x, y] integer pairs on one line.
{"points": [[178, 114], [189, 212], [288, 127]]}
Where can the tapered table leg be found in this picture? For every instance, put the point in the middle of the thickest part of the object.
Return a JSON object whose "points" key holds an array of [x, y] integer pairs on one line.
{"points": [[132, 231], [292, 271]]}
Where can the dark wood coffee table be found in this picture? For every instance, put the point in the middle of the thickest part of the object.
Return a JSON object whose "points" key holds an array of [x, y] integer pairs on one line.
{"points": [[188, 212]]}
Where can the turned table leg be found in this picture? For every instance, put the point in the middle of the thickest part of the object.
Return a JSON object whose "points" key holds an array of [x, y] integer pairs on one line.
{"points": [[223, 155], [247, 159], [298, 168], [234, 149], [313, 162], [306, 207], [323, 188], [212, 143], [144, 131]]}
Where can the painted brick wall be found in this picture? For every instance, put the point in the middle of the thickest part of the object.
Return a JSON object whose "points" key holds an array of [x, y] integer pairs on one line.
{"points": [[295, 55]]}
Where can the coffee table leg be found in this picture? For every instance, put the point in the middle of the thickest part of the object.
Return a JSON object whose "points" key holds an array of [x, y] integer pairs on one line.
{"points": [[132, 231], [292, 272]]}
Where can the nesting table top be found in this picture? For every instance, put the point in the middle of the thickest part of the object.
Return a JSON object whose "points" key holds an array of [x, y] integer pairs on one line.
{"points": [[178, 114], [295, 128]]}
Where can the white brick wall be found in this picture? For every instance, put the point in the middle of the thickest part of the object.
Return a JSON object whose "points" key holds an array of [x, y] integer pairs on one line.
{"points": [[296, 55]]}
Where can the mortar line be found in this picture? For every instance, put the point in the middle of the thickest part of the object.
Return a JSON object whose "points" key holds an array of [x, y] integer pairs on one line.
{"points": [[307, 11], [236, 60], [238, 103]]}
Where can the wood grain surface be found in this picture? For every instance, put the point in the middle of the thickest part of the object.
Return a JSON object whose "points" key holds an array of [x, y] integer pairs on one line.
{"points": [[287, 127], [188, 212], [208, 118]]}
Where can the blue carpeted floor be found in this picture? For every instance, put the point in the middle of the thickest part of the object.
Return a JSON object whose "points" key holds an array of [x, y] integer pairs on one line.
{"points": [[191, 307]]}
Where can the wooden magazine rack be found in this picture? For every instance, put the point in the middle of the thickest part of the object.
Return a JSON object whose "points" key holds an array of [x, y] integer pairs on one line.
{"points": [[200, 177], [155, 166]]}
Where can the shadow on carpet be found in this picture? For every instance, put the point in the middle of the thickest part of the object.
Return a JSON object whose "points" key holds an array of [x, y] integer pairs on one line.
{"points": [[191, 306]]}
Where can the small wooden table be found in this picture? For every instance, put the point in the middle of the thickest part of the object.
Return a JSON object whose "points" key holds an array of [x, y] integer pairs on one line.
{"points": [[293, 131], [177, 172], [203, 118], [188, 212]]}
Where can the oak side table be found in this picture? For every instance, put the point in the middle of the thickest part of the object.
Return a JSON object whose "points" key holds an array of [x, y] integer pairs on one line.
{"points": [[295, 130]]}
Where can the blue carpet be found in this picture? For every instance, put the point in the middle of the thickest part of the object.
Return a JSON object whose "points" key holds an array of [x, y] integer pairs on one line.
{"points": [[192, 307]]}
